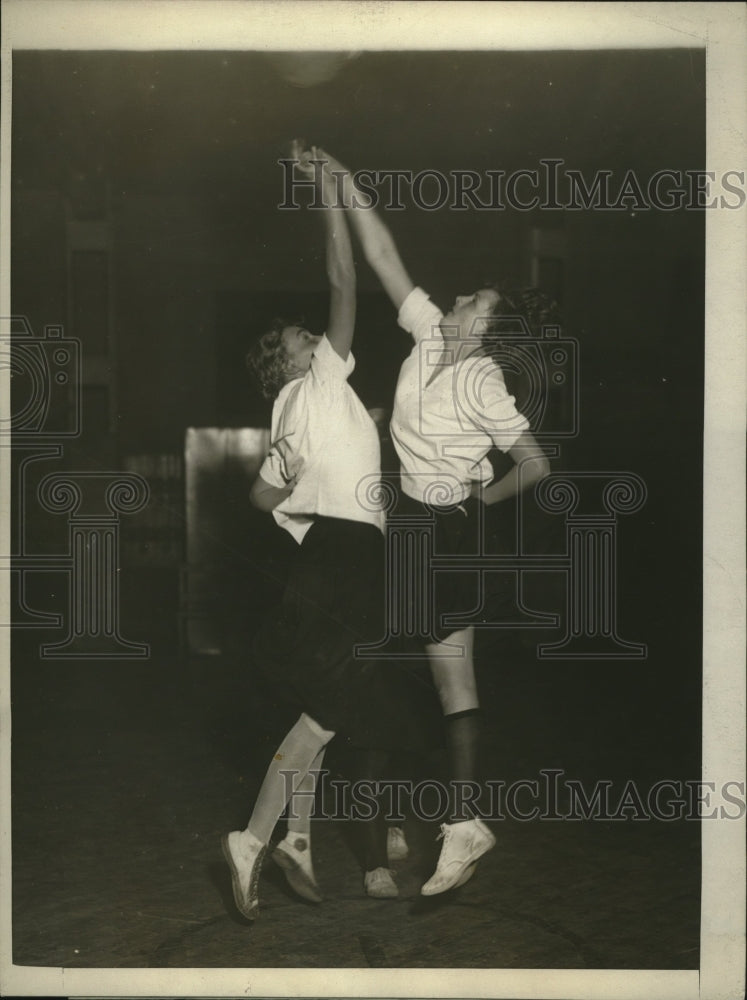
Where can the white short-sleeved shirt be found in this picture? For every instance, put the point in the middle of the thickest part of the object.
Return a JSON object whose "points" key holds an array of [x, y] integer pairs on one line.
{"points": [[322, 434], [443, 427]]}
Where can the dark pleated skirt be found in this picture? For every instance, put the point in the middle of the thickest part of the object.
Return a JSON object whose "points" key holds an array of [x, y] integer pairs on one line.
{"points": [[333, 602]]}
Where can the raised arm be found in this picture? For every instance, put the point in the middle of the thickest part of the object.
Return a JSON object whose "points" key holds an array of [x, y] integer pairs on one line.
{"points": [[379, 247], [340, 266], [341, 274]]}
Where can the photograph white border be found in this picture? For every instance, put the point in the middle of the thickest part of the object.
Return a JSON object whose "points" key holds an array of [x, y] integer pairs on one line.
{"points": [[722, 29]]}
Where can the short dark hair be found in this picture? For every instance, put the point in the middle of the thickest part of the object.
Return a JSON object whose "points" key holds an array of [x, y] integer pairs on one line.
{"points": [[267, 359], [533, 306]]}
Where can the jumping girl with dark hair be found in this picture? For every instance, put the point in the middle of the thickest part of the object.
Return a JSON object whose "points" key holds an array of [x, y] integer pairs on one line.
{"points": [[451, 409]]}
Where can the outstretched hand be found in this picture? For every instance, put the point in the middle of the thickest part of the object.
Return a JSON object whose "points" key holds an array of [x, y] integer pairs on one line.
{"points": [[339, 190], [330, 163], [307, 161], [314, 162]]}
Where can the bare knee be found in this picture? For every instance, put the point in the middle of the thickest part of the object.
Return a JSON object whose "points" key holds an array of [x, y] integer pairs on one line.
{"points": [[454, 675], [459, 697]]}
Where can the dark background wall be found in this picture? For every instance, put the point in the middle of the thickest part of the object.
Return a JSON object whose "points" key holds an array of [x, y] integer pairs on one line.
{"points": [[163, 166], [176, 153]]}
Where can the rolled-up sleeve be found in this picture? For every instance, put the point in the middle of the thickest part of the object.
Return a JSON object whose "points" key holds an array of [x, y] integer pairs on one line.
{"points": [[289, 420], [328, 370], [420, 317], [271, 469]]}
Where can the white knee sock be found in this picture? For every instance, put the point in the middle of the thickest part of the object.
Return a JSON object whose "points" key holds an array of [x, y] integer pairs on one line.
{"points": [[301, 804], [288, 768]]}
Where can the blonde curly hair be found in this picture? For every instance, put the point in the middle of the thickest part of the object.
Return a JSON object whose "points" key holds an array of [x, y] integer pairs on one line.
{"points": [[268, 359]]}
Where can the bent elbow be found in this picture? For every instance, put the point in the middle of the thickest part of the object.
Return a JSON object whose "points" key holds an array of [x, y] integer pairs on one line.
{"points": [[541, 468], [255, 496]]}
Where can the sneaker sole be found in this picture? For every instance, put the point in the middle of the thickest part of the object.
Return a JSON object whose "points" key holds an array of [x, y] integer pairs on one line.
{"points": [[296, 877], [383, 892], [250, 912], [382, 895], [468, 873]]}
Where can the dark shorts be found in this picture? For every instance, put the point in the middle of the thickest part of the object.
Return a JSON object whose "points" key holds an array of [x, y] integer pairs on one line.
{"points": [[447, 592], [333, 602], [489, 597]]}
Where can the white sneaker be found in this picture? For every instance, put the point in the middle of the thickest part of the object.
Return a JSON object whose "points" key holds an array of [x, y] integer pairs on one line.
{"points": [[244, 854], [467, 875], [463, 844], [293, 855], [396, 845], [380, 884]]}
